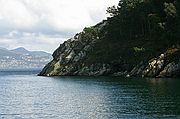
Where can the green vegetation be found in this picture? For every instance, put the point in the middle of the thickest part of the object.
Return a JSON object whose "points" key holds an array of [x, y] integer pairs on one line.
{"points": [[138, 30], [89, 33], [136, 49]]}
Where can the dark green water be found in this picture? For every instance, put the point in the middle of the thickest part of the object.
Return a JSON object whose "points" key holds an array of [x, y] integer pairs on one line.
{"points": [[23, 95]]}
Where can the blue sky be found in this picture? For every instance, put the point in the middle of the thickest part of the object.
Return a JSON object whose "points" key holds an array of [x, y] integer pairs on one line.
{"points": [[44, 24]]}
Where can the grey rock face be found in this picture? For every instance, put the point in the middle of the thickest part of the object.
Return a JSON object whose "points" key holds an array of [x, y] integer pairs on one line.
{"points": [[172, 69], [166, 65], [137, 70], [68, 58]]}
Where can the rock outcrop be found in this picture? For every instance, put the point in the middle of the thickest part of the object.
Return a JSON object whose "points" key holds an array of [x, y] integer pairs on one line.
{"points": [[69, 58], [72, 58], [166, 65]]}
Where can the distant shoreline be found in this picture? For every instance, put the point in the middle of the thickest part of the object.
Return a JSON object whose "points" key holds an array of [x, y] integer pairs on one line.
{"points": [[31, 69]]}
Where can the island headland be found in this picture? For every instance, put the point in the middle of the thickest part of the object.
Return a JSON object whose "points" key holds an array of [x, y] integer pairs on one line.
{"points": [[140, 39]]}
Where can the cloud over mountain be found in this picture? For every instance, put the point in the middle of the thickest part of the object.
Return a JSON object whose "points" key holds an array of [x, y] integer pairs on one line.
{"points": [[43, 24]]}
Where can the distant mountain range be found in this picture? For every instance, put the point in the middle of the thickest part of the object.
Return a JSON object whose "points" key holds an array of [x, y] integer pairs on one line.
{"points": [[21, 58], [23, 51]]}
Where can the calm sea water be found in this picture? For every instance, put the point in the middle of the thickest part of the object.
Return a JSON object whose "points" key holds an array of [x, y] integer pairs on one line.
{"points": [[23, 95]]}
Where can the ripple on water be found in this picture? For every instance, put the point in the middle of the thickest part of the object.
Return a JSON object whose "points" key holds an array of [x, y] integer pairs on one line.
{"points": [[31, 97]]}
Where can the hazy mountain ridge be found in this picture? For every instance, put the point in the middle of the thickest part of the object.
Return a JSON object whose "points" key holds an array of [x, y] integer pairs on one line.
{"points": [[23, 51], [6, 52], [20, 58]]}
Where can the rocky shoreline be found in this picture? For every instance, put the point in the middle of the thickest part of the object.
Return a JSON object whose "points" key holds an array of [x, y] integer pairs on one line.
{"points": [[165, 65]]}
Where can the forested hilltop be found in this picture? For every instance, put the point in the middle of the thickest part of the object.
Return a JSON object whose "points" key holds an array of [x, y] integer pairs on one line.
{"points": [[141, 38]]}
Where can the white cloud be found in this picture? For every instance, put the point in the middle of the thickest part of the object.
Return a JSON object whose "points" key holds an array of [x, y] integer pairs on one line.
{"points": [[15, 13], [43, 24]]}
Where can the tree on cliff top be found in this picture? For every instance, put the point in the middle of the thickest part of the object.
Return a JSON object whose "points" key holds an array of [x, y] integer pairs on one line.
{"points": [[148, 19]]}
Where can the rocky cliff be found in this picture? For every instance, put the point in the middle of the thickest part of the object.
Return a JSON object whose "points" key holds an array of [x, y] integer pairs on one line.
{"points": [[72, 58], [69, 58]]}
